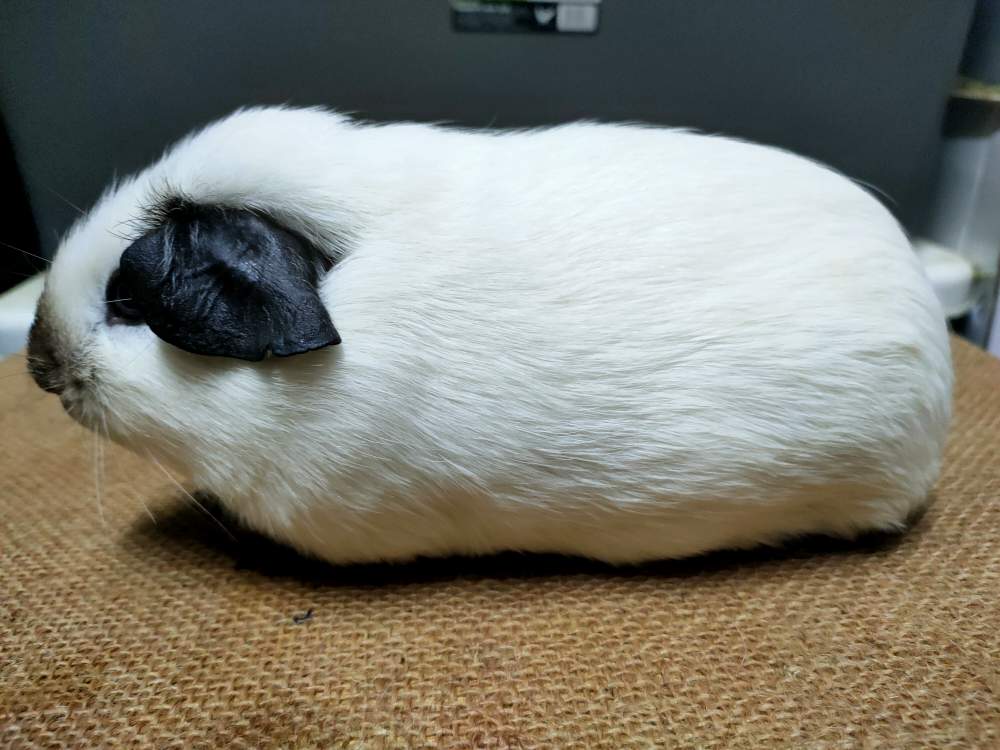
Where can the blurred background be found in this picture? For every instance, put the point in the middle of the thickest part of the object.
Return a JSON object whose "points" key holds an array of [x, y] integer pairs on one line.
{"points": [[901, 95]]}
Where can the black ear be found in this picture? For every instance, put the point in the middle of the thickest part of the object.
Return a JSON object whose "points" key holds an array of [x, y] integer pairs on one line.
{"points": [[229, 283]]}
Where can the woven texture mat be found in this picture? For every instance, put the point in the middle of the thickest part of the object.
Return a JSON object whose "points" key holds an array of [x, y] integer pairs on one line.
{"points": [[130, 632]]}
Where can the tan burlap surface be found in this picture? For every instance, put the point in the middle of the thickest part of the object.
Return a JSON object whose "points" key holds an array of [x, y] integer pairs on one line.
{"points": [[130, 632]]}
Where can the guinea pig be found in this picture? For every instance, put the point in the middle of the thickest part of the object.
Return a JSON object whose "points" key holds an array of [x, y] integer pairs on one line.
{"points": [[375, 342]]}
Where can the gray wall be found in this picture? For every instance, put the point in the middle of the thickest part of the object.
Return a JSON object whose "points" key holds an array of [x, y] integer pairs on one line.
{"points": [[92, 88]]}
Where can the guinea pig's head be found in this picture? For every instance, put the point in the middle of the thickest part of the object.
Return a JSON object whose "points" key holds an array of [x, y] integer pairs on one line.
{"points": [[149, 336]]}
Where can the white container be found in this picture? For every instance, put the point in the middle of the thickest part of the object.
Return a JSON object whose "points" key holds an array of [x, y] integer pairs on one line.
{"points": [[17, 310], [951, 275]]}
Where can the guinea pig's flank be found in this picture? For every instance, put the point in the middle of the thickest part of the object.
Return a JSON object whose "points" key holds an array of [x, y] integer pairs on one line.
{"points": [[621, 342]]}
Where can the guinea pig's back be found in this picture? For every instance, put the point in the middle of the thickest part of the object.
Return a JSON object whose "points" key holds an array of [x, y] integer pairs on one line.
{"points": [[669, 340]]}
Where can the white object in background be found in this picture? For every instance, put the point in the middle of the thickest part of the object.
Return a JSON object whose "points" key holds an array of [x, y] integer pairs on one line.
{"points": [[17, 310], [993, 345], [951, 275]]}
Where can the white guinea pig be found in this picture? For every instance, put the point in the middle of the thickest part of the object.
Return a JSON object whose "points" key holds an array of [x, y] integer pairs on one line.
{"points": [[374, 342]]}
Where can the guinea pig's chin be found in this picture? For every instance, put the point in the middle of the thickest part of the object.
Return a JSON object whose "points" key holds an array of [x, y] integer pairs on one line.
{"points": [[77, 409], [83, 409]]}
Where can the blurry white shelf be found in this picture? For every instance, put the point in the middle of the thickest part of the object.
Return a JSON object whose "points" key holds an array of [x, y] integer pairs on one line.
{"points": [[952, 276], [17, 310], [978, 91]]}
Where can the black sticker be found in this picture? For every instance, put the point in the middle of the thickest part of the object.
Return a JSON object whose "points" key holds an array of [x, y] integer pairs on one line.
{"points": [[514, 16]]}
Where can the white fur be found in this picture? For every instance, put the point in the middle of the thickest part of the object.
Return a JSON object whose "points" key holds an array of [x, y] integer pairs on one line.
{"points": [[616, 341]]}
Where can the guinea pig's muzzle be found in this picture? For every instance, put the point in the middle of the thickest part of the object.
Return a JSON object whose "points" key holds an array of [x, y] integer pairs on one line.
{"points": [[43, 364]]}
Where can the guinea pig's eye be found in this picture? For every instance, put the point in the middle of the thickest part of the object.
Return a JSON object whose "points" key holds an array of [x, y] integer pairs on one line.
{"points": [[120, 305]]}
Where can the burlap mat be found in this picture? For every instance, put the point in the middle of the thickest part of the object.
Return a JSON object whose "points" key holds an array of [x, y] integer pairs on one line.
{"points": [[130, 632]]}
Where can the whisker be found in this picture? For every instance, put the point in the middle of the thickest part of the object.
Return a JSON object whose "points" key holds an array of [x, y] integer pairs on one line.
{"points": [[190, 497], [107, 435], [146, 508], [142, 351], [98, 479], [120, 236], [65, 200], [123, 299], [876, 189], [25, 252], [101, 465]]}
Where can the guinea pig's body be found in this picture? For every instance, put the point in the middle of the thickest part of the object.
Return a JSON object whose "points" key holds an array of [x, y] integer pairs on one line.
{"points": [[621, 342]]}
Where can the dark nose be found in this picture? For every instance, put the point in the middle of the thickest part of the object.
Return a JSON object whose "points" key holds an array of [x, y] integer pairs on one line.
{"points": [[42, 363]]}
